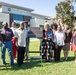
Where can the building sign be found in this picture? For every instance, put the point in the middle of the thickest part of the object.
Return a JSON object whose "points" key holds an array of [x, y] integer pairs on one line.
{"points": [[15, 11], [9, 9]]}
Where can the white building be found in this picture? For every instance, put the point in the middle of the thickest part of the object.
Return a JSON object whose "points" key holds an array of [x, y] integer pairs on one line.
{"points": [[10, 12], [38, 20]]}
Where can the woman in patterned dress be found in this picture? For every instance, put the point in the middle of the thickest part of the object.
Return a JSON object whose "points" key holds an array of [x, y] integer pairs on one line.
{"points": [[47, 43]]}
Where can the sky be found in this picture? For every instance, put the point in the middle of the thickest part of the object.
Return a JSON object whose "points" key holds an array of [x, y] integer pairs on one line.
{"points": [[44, 7]]}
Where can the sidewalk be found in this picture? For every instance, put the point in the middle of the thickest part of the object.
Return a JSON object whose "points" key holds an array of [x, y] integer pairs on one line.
{"points": [[34, 39]]}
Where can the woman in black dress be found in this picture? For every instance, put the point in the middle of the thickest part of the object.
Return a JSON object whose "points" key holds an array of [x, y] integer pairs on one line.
{"points": [[47, 43]]}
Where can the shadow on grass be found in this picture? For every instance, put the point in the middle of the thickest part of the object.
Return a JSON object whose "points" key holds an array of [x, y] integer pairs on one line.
{"points": [[27, 65], [68, 60], [31, 63]]}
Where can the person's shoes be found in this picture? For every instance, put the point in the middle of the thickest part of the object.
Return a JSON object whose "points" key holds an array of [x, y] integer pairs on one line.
{"points": [[11, 65], [26, 57], [19, 65], [65, 59], [23, 63], [3, 64], [15, 61], [75, 61], [56, 61], [47, 60], [59, 61], [52, 59]]}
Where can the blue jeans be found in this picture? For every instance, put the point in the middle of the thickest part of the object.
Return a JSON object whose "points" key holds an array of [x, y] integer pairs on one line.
{"points": [[7, 45]]}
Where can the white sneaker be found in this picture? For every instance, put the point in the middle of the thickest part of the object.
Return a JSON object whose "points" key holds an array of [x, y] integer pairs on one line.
{"points": [[75, 61], [15, 61]]}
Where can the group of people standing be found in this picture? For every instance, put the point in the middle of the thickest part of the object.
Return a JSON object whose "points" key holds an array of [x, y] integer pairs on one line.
{"points": [[61, 39], [54, 38], [14, 39]]}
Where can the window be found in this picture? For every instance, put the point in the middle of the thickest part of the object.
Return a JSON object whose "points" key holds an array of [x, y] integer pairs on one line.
{"points": [[0, 24], [18, 17], [41, 26]]}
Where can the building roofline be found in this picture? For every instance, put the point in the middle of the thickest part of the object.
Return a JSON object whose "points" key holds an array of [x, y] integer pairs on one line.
{"points": [[41, 15], [15, 6]]}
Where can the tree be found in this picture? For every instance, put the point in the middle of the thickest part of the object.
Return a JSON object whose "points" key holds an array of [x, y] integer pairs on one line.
{"points": [[65, 11]]}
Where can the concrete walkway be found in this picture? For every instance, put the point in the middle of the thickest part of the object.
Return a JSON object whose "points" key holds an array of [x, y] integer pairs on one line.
{"points": [[34, 39]]}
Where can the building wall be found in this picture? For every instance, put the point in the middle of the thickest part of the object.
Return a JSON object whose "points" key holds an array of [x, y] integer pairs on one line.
{"points": [[38, 22], [4, 18], [0, 9], [37, 16], [32, 23]]}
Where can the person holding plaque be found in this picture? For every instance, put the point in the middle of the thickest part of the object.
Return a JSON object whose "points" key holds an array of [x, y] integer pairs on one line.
{"points": [[47, 43]]}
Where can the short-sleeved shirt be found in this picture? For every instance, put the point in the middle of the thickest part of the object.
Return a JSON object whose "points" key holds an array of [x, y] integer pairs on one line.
{"points": [[21, 35], [59, 38], [6, 34]]}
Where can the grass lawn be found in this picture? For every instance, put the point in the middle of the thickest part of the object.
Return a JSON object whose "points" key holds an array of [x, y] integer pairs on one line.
{"points": [[34, 67]]}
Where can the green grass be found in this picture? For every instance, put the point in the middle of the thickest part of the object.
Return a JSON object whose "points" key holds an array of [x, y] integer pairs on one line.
{"points": [[34, 67]]}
